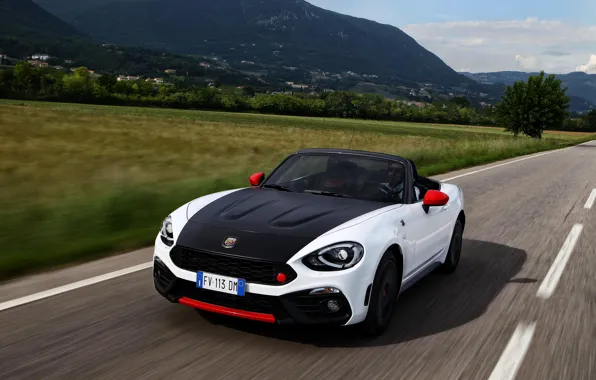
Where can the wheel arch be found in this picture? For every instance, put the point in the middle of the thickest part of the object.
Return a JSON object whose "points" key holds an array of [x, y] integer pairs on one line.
{"points": [[397, 253], [462, 218]]}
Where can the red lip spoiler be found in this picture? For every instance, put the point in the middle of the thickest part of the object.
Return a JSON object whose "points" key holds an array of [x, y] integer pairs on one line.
{"points": [[261, 317]]}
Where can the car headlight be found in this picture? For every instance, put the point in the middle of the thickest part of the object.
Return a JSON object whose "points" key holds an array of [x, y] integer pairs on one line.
{"points": [[167, 232], [335, 257]]}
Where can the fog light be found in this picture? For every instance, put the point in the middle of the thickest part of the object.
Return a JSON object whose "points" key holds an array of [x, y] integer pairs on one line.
{"points": [[332, 305], [327, 290]]}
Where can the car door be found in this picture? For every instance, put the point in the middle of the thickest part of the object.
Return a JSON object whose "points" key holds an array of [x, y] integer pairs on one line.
{"points": [[427, 232]]}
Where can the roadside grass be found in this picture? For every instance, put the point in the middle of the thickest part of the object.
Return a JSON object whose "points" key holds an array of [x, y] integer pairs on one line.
{"points": [[83, 181]]}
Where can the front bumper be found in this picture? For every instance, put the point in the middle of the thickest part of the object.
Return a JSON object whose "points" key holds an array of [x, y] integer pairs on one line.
{"points": [[289, 303], [292, 308]]}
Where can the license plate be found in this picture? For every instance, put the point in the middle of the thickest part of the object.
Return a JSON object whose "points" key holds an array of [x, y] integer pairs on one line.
{"points": [[219, 283]]}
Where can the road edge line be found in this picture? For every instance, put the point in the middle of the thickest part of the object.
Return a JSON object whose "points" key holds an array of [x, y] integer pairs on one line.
{"points": [[507, 163], [72, 286]]}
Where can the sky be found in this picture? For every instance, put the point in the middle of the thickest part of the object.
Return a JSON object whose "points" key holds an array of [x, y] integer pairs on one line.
{"points": [[556, 36]]}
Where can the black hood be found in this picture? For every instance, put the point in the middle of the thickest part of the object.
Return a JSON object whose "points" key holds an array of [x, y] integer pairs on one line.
{"points": [[269, 224]]}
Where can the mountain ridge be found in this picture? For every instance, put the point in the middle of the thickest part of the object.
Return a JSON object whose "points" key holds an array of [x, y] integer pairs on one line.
{"points": [[578, 83], [276, 32], [31, 21]]}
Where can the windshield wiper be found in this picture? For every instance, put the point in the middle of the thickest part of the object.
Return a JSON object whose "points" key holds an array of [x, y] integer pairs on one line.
{"points": [[278, 187], [328, 193]]}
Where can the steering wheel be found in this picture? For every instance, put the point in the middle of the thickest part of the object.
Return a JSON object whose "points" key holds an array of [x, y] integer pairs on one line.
{"points": [[392, 193]]}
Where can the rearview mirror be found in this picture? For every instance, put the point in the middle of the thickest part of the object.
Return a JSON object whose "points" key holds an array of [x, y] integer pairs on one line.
{"points": [[256, 179], [434, 198]]}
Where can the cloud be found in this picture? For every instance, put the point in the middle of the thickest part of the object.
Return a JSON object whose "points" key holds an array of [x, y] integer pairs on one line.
{"points": [[473, 42], [555, 53], [590, 67], [530, 44], [528, 62]]}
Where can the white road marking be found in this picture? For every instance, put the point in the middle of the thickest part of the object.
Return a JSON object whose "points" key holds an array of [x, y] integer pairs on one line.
{"points": [[514, 353], [556, 270], [503, 164], [75, 285], [125, 271], [591, 199]]}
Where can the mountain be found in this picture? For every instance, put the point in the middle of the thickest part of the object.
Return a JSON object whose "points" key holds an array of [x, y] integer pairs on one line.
{"points": [[26, 28], [22, 22], [579, 84], [68, 10], [273, 32]]}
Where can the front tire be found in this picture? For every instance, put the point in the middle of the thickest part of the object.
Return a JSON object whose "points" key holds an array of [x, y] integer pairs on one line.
{"points": [[384, 293], [455, 247]]}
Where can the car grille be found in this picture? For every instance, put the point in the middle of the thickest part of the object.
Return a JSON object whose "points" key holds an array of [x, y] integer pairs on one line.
{"points": [[253, 271]]}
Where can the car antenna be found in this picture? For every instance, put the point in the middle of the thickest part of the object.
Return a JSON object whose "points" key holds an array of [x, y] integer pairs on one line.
{"points": [[352, 138]]}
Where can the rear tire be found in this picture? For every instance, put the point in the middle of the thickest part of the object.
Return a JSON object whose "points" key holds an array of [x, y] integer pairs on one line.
{"points": [[455, 247], [384, 293]]}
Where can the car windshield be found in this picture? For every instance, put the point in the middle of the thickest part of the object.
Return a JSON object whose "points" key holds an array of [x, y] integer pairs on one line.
{"points": [[341, 175]]}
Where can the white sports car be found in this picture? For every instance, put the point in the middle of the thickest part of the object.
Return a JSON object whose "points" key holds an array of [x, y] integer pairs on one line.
{"points": [[332, 236]]}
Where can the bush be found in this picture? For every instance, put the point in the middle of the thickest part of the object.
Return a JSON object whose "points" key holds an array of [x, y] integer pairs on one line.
{"points": [[26, 82]]}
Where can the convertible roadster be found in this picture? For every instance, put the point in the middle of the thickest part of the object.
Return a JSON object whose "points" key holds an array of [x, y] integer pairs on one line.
{"points": [[331, 236]]}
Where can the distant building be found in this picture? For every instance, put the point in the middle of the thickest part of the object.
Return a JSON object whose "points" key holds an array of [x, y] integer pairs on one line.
{"points": [[205, 64], [170, 71], [68, 61], [38, 63], [154, 80], [121, 78], [40, 57], [294, 85]]}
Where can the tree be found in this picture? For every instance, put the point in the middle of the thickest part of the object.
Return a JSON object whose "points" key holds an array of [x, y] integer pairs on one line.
{"points": [[590, 120], [460, 101], [108, 81], [530, 108]]}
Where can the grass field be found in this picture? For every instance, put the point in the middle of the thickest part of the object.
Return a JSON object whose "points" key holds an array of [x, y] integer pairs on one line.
{"points": [[82, 181]]}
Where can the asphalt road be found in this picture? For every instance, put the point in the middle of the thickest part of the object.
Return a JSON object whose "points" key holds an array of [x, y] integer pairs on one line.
{"points": [[446, 327]]}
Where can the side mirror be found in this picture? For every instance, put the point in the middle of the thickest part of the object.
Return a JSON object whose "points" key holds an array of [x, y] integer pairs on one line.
{"points": [[434, 198], [256, 179]]}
